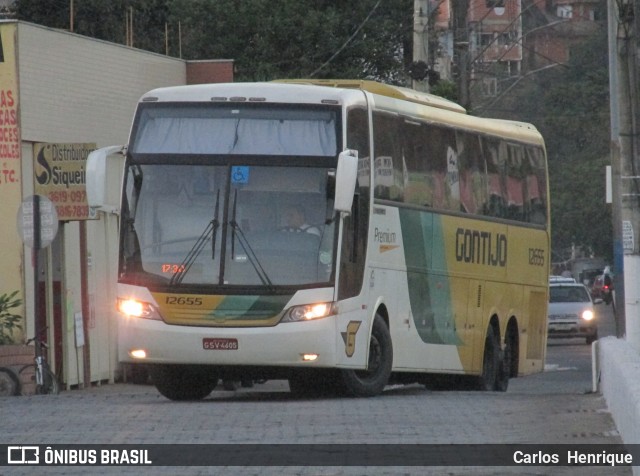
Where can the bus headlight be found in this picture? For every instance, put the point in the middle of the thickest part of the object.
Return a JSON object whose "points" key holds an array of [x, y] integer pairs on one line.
{"points": [[587, 315], [135, 308], [309, 312]]}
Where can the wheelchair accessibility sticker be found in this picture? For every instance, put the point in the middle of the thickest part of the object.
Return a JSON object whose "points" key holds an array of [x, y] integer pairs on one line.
{"points": [[240, 174]]}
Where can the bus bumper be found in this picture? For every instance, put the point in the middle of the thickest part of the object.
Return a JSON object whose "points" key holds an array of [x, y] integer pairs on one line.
{"points": [[310, 343]]}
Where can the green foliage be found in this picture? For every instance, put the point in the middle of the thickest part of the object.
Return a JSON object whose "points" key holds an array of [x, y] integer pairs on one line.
{"points": [[271, 39], [569, 104], [446, 89], [105, 20], [577, 128], [9, 320], [267, 39]]}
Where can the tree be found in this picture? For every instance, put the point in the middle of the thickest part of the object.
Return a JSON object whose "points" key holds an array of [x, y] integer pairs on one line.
{"points": [[569, 104], [105, 20], [271, 39], [267, 39]]}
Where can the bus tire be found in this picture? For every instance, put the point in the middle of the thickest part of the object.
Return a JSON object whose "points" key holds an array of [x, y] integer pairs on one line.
{"points": [[491, 362], [371, 382], [183, 382], [508, 361]]}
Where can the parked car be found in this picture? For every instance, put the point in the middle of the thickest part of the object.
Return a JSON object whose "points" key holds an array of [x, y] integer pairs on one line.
{"points": [[571, 311]]}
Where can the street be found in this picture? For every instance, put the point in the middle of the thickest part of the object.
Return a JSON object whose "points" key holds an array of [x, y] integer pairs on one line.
{"points": [[555, 407]]}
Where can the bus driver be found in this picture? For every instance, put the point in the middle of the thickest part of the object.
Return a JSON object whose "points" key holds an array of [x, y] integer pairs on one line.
{"points": [[296, 221]]}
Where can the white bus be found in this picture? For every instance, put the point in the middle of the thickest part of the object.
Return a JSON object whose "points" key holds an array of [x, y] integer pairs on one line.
{"points": [[342, 235]]}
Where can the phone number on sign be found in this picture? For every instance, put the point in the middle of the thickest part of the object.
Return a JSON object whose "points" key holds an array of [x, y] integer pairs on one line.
{"points": [[63, 196], [72, 211]]}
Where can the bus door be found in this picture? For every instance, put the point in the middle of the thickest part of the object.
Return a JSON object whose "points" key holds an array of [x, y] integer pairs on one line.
{"points": [[472, 332]]}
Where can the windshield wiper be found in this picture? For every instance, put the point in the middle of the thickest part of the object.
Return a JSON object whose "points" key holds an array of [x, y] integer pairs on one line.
{"points": [[211, 230], [253, 259], [193, 254]]}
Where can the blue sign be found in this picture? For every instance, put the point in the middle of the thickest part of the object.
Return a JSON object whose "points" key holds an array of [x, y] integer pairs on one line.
{"points": [[240, 174]]}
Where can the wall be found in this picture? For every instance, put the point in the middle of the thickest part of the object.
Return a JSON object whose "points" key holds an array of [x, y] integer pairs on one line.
{"points": [[11, 259], [619, 373]]}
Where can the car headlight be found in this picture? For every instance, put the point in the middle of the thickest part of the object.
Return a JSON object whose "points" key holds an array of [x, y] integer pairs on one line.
{"points": [[135, 308], [587, 315], [309, 312]]}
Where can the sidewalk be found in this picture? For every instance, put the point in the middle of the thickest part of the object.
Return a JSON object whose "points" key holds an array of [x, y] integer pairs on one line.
{"points": [[619, 373]]}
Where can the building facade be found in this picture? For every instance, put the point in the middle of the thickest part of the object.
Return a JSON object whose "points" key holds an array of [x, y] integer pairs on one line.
{"points": [[61, 96], [502, 40]]}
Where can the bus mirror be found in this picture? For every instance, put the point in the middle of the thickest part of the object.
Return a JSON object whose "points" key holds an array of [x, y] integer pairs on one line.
{"points": [[97, 176], [346, 176]]}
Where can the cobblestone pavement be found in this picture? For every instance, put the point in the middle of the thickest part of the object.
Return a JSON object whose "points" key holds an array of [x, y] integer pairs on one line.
{"points": [[122, 413], [554, 407]]}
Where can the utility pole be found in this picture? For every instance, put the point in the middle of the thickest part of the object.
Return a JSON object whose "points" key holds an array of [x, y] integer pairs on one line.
{"points": [[420, 64], [626, 163], [461, 50], [616, 203]]}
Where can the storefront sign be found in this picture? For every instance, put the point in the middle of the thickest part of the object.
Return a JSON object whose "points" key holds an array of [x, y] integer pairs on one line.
{"points": [[60, 175], [11, 266]]}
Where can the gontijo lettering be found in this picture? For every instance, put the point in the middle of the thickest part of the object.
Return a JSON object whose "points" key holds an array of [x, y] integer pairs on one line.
{"points": [[481, 247]]}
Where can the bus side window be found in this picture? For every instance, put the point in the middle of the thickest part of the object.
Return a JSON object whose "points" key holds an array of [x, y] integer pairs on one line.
{"points": [[473, 183], [389, 166], [536, 183], [496, 204], [515, 182], [356, 225]]}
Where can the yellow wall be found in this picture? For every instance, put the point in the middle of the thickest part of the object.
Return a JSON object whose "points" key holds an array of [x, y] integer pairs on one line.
{"points": [[11, 276]]}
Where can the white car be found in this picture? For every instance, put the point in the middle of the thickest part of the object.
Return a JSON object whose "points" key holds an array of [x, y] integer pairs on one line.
{"points": [[571, 311]]}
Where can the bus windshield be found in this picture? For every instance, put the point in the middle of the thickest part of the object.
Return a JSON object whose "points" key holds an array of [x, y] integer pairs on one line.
{"points": [[225, 225]]}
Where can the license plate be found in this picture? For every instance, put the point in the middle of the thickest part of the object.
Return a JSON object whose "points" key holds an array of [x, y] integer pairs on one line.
{"points": [[219, 343]]}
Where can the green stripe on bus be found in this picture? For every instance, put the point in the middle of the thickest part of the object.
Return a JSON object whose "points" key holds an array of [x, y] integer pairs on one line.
{"points": [[250, 307], [429, 290]]}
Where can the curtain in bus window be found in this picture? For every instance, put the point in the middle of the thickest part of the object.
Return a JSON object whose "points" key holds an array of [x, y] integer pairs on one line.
{"points": [[473, 183], [515, 182], [432, 166], [190, 135], [419, 189], [282, 137], [494, 152], [197, 135], [442, 160], [390, 171], [534, 169]]}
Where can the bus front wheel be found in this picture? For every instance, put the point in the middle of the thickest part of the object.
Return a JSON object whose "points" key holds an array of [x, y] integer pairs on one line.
{"points": [[371, 382], [183, 382]]}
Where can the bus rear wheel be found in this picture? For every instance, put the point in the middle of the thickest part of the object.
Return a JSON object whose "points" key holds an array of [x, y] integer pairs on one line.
{"points": [[183, 382], [371, 382], [491, 362]]}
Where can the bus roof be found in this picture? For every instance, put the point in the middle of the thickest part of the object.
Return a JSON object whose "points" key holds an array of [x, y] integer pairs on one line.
{"points": [[382, 89], [345, 91], [410, 102], [270, 92]]}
